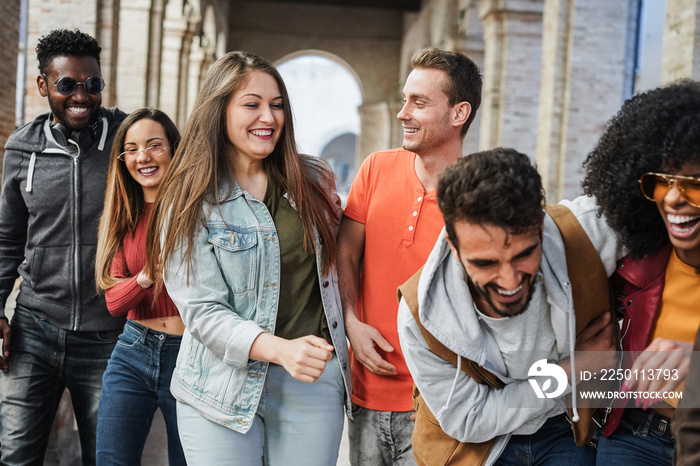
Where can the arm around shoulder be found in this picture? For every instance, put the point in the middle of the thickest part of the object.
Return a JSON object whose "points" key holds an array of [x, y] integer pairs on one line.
{"points": [[466, 410]]}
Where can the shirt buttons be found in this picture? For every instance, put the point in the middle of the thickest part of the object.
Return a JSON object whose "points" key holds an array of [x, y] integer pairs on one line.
{"points": [[420, 198], [410, 228], [415, 212]]}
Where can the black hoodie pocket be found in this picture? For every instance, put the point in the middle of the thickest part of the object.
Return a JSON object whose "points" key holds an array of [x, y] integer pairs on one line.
{"points": [[51, 272]]}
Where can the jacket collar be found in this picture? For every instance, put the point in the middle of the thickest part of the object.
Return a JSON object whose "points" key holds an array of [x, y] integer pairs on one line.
{"points": [[643, 271]]}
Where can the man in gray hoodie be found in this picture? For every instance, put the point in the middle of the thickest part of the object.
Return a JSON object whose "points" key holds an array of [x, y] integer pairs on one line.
{"points": [[495, 290], [53, 183]]}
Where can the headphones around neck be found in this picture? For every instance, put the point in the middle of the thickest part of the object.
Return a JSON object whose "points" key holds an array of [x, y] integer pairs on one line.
{"points": [[62, 134]]}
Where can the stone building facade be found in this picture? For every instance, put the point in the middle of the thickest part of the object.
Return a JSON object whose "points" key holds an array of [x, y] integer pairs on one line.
{"points": [[9, 37], [554, 70]]}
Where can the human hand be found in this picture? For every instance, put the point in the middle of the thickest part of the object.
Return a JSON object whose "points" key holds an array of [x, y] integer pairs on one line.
{"points": [[595, 347], [143, 280], [665, 364], [363, 339], [5, 332], [304, 358], [599, 335]]}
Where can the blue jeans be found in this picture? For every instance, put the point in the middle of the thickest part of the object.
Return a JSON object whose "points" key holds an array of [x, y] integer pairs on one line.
{"points": [[295, 424], [44, 360], [635, 445], [553, 444], [136, 382], [380, 437]]}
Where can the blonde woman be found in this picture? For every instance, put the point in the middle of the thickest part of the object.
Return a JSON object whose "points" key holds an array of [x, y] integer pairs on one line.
{"points": [[137, 379], [247, 238]]}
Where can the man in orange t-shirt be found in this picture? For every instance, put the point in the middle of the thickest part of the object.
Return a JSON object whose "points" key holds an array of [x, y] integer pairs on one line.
{"points": [[391, 224]]}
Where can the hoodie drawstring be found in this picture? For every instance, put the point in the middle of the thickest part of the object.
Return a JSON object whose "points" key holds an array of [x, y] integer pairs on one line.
{"points": [[30, 173], [452, 389], [103, 138], [572, 366]]}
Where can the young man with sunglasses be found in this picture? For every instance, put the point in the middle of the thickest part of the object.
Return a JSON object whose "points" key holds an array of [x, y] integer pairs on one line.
{"points": [[53, 184]]}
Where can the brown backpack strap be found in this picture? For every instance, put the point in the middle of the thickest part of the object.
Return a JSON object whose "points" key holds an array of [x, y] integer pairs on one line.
{"points": [[409, 292], [589, 281], [591, 295]]}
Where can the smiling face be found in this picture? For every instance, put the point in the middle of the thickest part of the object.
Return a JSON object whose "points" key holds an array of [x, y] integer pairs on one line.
{"points": [[426, 115], [255, 118], [80, 109], [500, 268], [147, 170], [682, 220]]}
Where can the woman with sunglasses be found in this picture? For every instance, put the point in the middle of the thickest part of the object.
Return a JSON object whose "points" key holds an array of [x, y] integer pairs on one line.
{"points": [[246, 228], [645, 174], [137, 379]]}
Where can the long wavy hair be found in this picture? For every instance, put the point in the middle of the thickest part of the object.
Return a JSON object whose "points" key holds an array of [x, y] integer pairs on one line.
{"points": [[203, 164], [656, 131], [124, 201]]}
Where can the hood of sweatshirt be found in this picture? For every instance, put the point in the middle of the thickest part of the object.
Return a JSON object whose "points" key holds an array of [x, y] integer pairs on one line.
{"points": [[447, 311]]}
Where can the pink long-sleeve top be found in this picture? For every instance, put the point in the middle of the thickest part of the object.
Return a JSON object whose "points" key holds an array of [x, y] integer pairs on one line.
{"points": [[128, 296]]}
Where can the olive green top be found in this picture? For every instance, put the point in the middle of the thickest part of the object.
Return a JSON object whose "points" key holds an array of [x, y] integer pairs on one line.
{"points": [[300, 310]]}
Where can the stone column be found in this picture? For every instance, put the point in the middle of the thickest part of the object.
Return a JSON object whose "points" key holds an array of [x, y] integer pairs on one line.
{"points": [[107, 34], [470, 42], [196, 61], [133, 59], [183, 90], [155, 47], [9, 32], [375, 130], [174, 28], [513, 38], [585, 69], [681, 44]]}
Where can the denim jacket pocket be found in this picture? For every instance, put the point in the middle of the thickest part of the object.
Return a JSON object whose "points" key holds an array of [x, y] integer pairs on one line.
{"points": [[236, 253]]}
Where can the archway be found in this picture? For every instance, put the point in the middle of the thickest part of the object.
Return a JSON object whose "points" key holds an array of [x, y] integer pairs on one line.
{"points": [[324, 93]]}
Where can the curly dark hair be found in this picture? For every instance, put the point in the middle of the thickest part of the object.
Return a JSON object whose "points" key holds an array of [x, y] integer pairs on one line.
{"points": [[656, 131], [65, 43], [498, 187]]}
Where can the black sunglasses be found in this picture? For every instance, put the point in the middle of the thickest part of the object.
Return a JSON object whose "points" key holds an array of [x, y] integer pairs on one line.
{"points": [[67, 86]]}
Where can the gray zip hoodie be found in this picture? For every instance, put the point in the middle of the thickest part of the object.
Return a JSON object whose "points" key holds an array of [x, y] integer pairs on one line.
{"points": [[50, 206], [467, 410]]}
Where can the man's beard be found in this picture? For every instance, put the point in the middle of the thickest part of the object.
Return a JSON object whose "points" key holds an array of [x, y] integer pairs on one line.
{"points": [[508, 309]]}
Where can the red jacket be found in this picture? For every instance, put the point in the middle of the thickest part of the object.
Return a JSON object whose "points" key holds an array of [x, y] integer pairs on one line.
{"points": [[640, 284]]}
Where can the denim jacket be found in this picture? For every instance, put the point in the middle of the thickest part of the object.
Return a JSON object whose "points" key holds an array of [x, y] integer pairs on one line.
{"points": [[231, 298]]}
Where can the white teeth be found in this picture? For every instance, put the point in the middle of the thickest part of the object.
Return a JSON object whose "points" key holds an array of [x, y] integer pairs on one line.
{"points": [[262, 132], [509, 292], [148, 170], [410, 130], [78, 110], [681, 218]]}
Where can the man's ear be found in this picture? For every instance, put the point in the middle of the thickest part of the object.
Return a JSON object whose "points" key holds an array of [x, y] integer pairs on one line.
{"points": [[462, 112], [452, 246], [41, 85]]}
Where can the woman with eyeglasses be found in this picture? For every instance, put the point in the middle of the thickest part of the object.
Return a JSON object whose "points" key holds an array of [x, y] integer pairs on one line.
{"points": [[137, 379], [645, 174], [246, 229]]}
